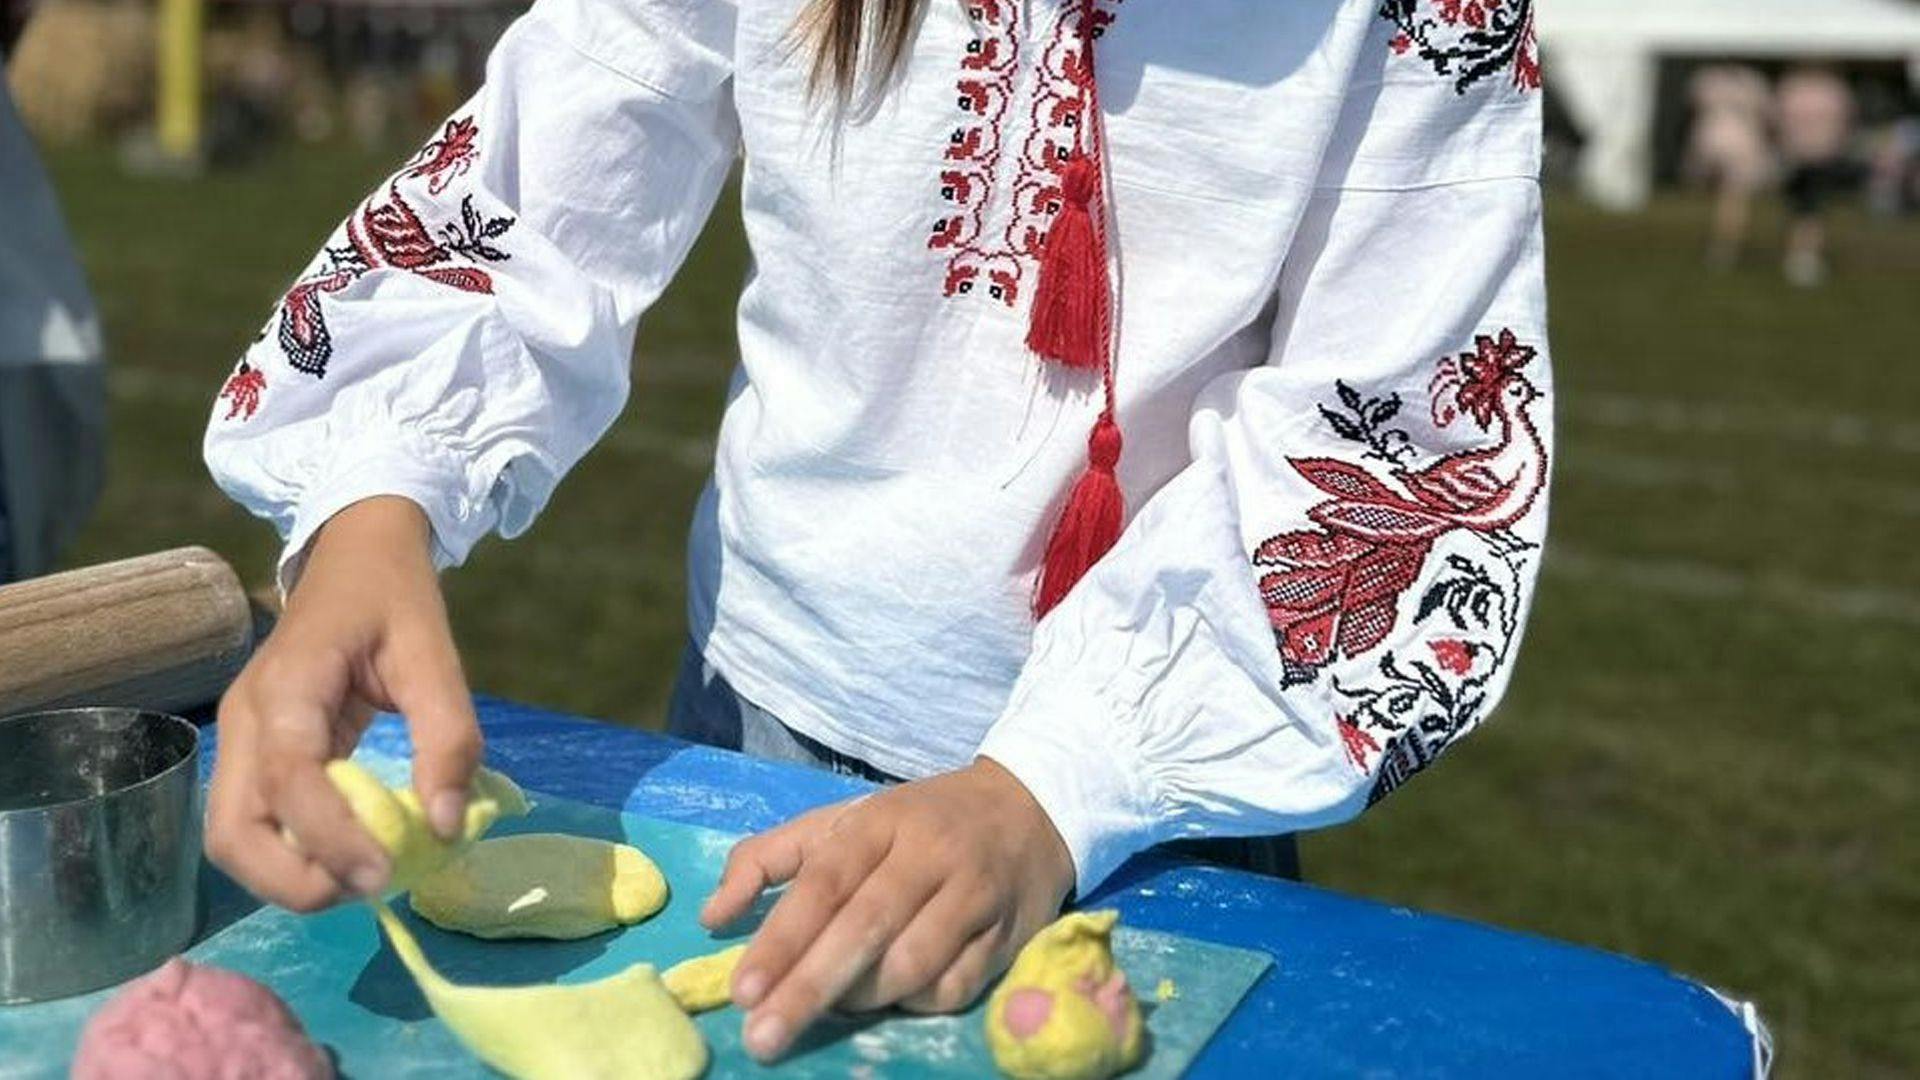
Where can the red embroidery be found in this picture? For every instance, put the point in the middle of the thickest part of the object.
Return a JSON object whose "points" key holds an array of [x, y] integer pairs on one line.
{"points": [[1452, 654], [1468, 39], [393, 234], [973, 150], [1356, 741], [1335, 589], [303, 329], [242, 390], [1054, 116], [447, 157]]}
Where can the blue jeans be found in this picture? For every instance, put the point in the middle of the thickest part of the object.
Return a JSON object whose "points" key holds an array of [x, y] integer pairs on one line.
{"points": [[705, 709]]}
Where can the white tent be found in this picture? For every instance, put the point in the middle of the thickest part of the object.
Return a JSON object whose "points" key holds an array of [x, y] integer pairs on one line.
{"points": [[1603, 58]]}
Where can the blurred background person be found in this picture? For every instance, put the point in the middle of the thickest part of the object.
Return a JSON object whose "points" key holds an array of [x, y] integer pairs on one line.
{"points": [[1729, 150], [52, 382], [1814, 111], [1893, 187]]}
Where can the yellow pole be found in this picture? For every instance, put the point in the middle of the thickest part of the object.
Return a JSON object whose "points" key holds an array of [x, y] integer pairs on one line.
{"points": [[179, 89]]}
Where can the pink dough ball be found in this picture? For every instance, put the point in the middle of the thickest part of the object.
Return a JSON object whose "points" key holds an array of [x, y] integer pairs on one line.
{"points": [[188, 1022]]}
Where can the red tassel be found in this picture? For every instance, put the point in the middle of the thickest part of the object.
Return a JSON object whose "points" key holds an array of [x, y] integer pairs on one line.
{"points": [[1090, 524], [1070, 301]]}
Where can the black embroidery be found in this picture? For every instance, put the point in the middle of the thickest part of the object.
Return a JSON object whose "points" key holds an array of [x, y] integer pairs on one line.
{"points": [[1468, 40]]}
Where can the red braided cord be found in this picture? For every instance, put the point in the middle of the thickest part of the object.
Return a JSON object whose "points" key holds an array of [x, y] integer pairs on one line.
{"points": [[1093, 139]]}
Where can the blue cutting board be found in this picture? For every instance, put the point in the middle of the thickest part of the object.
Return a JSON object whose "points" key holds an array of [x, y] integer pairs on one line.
{"points": [[349, 989]]}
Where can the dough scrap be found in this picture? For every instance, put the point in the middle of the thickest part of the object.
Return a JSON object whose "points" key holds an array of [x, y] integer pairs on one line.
{"points": [[1064, 1010], [395, 818], [541, 885], [623, 1027], [186, 1019], [704, 982]]}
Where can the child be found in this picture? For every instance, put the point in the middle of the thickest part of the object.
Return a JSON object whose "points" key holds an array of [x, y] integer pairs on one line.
{"points": [[1140, 433]]}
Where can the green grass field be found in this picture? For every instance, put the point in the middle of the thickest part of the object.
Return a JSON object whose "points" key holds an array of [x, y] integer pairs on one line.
{"points": [[1707, 758]]}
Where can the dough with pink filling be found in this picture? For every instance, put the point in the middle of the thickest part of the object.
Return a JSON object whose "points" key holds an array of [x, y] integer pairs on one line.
{"points": [[1064, 1011], [185, 1021]]}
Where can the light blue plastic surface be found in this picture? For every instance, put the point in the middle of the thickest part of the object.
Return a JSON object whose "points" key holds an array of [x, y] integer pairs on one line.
{"points": [[1357, 989], [343, 980]]}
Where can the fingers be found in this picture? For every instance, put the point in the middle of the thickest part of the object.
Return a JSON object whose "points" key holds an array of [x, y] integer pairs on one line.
{"points": [[252, 850], [299, 796], [925, 949], [430, 690], [355, 717], [838, 957], [982, 958], [246, 842], [274, 820], [760, 862], [831, 871]]}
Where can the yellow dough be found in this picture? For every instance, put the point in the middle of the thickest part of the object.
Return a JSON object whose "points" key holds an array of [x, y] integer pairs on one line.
{"points": [[704, 982], [395, 818], [623, 1027], [1064, 1011], [541, 885]]}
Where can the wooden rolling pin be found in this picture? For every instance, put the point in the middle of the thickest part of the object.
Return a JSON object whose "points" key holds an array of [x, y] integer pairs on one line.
{"points": [[167, 631]]}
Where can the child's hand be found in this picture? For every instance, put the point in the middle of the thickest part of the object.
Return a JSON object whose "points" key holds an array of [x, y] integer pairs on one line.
{"points": [[365, 629], [915, 896]]}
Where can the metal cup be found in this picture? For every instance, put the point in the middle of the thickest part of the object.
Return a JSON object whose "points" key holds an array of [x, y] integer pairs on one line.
{"points": [[99, 847]]}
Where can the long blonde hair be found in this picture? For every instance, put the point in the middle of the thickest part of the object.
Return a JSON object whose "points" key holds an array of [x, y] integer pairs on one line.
{"points": [[856, 46]]}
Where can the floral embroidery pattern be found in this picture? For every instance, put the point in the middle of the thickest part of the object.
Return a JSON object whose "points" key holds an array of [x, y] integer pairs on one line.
{"points": [[242, 390], [391, 233], [975, 157], [972, 159], [1333, 590], [1357, 742], [1468, 39]]}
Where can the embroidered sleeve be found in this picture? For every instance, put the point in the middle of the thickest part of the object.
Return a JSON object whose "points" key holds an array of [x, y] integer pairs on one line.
{"points": [[1332, 594], [464, 335]]}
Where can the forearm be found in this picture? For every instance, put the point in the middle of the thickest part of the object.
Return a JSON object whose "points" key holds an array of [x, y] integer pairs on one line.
{"points": [[385, 530]]}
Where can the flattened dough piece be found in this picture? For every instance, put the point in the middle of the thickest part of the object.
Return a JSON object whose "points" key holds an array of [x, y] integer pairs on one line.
{"points": [[541, 885], [395, 818], [704, 982], [623, 1027], [1064, 1011]]}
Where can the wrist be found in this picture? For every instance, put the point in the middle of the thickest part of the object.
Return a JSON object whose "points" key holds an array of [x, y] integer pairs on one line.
{"points": [[1042, 838], [380, 530], [385, 520]]}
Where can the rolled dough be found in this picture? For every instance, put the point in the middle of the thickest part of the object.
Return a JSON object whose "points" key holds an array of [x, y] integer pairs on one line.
{"points": [[704, 982], [541, 885], [395, 818], [623, 1027], [1064, 1010]]}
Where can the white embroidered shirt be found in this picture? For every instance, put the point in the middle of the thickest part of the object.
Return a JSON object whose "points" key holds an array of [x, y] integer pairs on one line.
{"points": [[1330, 367]]}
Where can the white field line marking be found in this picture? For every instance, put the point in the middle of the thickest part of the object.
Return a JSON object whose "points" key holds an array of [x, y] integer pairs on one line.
{"points": [[1654, 471], [141, 385], [1840, 430], [1694, 580]]}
